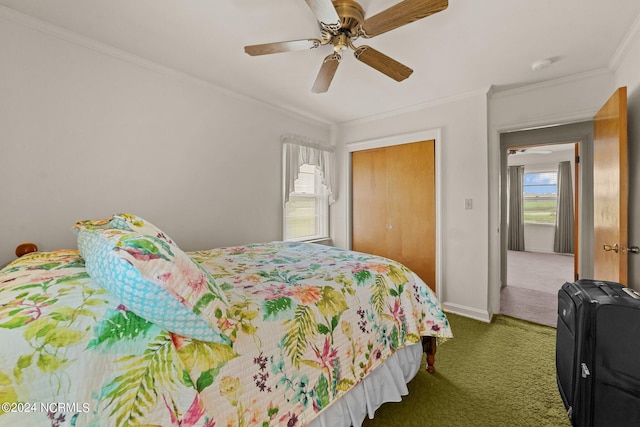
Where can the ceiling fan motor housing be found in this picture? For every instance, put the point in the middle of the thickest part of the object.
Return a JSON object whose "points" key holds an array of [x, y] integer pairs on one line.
{"points": [[351, 16]]}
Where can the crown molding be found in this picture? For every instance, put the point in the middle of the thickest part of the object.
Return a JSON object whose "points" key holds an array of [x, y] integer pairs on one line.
{"points": [[624, 47], [19, 18], [421, 106], [546, 121], [550, 83]]}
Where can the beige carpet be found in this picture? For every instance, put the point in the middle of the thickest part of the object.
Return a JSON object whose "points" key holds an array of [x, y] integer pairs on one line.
{"points": [[533, 281]]}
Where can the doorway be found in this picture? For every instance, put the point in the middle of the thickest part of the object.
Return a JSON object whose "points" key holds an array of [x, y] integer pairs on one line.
{"points": [[532, 272], [541, 239]]}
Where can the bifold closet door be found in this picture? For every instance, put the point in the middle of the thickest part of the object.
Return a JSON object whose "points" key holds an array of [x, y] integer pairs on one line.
{"points": [[393, 196], [369, 198]]}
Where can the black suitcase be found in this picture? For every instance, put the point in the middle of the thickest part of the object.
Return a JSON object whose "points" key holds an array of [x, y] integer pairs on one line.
{"points": [[598, 353]]}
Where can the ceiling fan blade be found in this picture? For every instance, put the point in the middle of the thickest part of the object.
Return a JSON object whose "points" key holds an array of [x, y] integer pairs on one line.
{"points": [[400, 14], [327, 71], [290, 46], [325, 12], [382, 63]]}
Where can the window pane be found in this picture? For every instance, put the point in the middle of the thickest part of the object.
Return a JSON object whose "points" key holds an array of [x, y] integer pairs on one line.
{"points": [[306, 182], [540, 184], [540, 210], [301, 217], [540, 197]]}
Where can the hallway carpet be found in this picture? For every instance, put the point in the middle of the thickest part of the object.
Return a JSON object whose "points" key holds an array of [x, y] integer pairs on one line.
{"points": [[533, 281], [538, 271], [527, 304]]}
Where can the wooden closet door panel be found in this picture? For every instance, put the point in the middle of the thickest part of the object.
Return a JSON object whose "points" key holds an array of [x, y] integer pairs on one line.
{"points": [[411, 207], [369, 201]]}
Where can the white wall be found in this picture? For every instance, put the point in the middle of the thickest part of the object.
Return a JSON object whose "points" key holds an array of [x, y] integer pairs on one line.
{"points": [[628, 74], [463, 125], [88, 131]]}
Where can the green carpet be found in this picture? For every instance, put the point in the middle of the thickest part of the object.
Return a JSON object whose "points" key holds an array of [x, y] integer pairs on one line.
{"points": [[497, 374]]}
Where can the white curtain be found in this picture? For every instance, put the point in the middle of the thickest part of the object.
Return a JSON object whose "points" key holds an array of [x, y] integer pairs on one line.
{"points": [[515, 235], [563, 239], [299, 150]]}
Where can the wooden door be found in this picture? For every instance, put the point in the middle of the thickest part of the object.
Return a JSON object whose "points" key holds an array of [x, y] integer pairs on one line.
{"points": [[411, 225], [610, 189], [399, 224], [369, 201]]}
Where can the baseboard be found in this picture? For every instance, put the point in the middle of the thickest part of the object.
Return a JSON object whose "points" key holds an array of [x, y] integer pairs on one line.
{"points": [[465, 311]]}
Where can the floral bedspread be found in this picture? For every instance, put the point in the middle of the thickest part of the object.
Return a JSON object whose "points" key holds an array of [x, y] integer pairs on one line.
{"points": [[305, 324]]}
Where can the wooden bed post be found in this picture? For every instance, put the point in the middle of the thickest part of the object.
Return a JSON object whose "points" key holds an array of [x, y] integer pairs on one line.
{"points": [[26, 248], [429, 348]]}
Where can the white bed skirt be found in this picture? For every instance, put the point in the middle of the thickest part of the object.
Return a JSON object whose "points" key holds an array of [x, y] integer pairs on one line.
{"points": [[388, 383]]}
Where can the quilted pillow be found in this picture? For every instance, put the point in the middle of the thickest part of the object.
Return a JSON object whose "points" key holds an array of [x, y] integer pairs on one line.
{"points": [[156, 280]]}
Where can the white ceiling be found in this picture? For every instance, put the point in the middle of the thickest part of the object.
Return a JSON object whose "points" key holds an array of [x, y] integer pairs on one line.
{"points": [[468, 47]]}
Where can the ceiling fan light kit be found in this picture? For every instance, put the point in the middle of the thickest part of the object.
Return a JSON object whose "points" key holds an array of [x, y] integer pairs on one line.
{"points": [[342, 22]]}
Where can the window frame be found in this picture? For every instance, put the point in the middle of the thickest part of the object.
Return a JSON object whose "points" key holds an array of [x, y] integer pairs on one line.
{"points": [[321, 195]]}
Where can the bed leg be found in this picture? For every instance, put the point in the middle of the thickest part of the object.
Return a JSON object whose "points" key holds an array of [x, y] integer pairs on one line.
{"points": [[429, 348]]}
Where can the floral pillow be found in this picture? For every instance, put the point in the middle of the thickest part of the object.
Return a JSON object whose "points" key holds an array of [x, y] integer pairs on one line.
{"points": [[123, 221], [154, 278]]}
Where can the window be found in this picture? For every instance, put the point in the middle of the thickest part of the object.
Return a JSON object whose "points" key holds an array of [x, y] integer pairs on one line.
{"points": [[307, 211], [540, 197]]}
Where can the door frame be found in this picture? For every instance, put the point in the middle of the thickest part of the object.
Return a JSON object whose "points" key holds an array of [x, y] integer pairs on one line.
{"points": [[388, 141], [580, 132]]}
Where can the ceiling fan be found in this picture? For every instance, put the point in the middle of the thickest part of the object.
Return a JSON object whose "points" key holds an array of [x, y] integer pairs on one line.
{"points": [[342, 22]]}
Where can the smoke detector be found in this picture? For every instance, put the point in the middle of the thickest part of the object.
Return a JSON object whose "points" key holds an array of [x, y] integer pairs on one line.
{"points": [[539, 65]]}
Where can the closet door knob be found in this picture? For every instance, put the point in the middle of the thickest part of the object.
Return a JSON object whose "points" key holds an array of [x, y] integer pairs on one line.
{"points": [[389, 226], [608, 248]]}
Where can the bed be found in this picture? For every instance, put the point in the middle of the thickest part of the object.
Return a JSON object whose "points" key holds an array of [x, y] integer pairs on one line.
{"points": [[129, 330]]}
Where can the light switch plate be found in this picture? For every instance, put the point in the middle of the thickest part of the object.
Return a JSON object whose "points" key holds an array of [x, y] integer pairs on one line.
{"points": [[468, 204]]}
